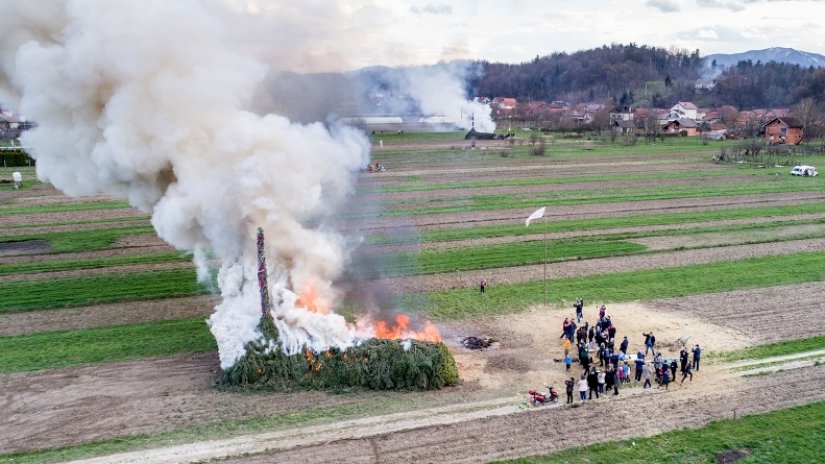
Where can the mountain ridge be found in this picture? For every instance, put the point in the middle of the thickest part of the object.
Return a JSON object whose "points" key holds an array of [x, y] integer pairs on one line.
{"points": [[778, 54]]}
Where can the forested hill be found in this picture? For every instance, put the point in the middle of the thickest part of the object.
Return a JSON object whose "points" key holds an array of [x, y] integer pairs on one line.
{"points": [[594, 75], [766, 85]]}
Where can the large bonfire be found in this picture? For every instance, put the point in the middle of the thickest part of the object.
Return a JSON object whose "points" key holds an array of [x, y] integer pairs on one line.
{"points": [[383, 355], [148, 100]]}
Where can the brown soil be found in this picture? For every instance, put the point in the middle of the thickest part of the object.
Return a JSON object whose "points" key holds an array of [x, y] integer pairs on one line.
{"points": [[509, 275], [548, 429], [728, 238], [481, 431], [106, 315], [764, 314]]}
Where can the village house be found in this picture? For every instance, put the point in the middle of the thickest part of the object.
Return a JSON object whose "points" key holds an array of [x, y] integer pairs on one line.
{"points": [[676, 126], [685, 110], [504, 107], [784, 129]]}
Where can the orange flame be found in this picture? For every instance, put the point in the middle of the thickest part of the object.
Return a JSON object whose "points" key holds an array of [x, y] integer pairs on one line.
{"points": [[400, 329], [311, 301]]}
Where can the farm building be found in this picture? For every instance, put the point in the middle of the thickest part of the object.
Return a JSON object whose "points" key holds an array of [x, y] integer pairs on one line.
{"points": [[678, 125], [784, 129]]}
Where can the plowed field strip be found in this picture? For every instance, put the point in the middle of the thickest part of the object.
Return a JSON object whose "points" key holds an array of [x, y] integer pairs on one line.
{"points": [[766, 314], [106, 315]]}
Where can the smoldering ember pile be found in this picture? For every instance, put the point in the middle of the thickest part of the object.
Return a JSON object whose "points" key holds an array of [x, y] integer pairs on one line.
{"points": [[374, 363]]}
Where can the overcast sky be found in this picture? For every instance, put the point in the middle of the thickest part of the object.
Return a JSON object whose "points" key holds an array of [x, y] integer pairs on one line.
{"points": [[323, 35]]}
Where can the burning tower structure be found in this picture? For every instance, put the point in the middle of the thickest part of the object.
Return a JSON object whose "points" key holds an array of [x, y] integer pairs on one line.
{"points": [[381, 364]]}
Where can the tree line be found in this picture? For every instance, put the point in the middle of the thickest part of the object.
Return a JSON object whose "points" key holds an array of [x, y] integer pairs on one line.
{"points": [[650, 76]]}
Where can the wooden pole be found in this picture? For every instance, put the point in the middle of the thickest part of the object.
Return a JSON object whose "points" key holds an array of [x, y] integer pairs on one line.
{"points": [[545, 261]]}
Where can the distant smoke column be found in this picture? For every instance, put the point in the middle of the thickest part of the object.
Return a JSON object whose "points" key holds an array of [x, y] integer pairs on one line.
{"points": [[440, 91], [143, 99]]}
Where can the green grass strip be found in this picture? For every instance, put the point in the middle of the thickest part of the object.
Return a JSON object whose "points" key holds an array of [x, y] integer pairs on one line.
{"points": [[139, 219], [504, 254], [105, 344], [42, 209], [95, 289], [568, 225], [770, 350], [583, 197], [583, 179], [76, 264], [87, 240], [789, 435], [626, 286]]}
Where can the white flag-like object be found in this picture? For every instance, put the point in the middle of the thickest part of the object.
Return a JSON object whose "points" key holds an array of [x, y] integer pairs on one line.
{"points": [[538, 214]]}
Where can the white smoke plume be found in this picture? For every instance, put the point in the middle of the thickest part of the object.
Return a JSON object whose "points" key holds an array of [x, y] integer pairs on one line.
{"points": [[143, 99]]}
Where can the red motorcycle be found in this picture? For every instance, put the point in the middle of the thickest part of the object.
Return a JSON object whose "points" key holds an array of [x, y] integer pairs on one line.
{"points": [[539, 398]]}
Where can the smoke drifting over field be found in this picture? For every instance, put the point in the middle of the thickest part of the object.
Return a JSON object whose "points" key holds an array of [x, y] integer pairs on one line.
{"points": [[146, 100]]}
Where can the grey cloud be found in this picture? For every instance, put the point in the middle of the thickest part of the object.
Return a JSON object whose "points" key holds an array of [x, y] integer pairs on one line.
{"points": [[732, 5], [666, 6], [433, 8]]}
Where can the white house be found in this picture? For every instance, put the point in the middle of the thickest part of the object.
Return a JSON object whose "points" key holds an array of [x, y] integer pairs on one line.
{"points": [[684, 110]]}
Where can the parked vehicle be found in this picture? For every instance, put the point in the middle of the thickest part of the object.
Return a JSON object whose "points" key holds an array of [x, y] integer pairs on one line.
{"points": [[538, 399], [807, 171]]}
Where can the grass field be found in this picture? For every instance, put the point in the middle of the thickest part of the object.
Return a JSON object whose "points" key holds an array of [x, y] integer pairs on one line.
{"points": [[51, 350], [63, 242], [453, 179], [628, 286], [95, 289]]}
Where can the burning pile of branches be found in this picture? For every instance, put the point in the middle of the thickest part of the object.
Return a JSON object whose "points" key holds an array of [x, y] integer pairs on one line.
{"points": [[396, 360], [477, 343], [376, 364]]}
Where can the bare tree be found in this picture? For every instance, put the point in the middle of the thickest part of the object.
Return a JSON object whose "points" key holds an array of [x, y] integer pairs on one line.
{"points": [[807, 112]]}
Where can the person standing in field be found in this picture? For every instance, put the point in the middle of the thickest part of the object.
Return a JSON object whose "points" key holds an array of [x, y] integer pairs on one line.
{"points": [[579, 309], [568, 361], [687, 372], [697, 355], [583, 388], [568, 387], [593, 384], [566, 344], [646, 376], [640, 364], [482, 286], [650, 342]]}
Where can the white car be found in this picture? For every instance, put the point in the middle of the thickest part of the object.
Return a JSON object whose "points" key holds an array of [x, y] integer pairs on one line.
{"points": [[807, 171]]}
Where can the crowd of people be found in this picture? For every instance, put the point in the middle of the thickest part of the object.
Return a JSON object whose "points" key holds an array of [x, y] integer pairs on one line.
{"points": [[613, 366]]}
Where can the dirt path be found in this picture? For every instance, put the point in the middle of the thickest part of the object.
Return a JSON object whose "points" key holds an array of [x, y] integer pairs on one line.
{"points": [[509, 275], [500, 431]]}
